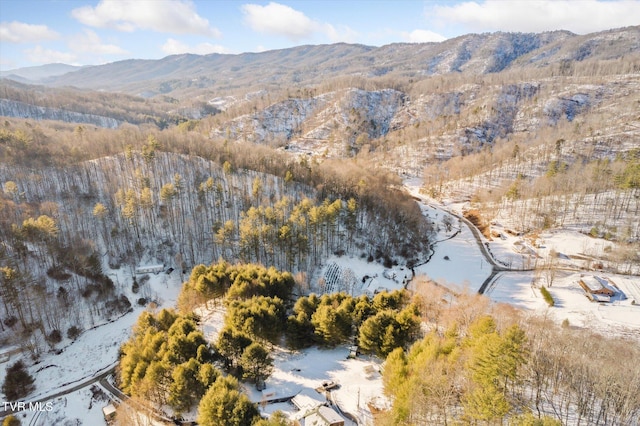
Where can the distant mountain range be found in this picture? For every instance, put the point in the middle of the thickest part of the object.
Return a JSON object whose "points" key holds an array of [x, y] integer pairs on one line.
{"points": [[181, 75], [38, 74]]}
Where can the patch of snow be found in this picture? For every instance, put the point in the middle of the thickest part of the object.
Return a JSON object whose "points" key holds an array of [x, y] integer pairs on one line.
{"points": [[303, 372], [619, 318]]}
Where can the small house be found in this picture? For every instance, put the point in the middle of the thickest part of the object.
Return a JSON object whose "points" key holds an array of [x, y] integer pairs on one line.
{"points": [[109, 413], [306, 403], [324, 416], [596, 285]]}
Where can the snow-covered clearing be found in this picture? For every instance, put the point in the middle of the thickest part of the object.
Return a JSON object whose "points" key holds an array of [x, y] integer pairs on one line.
{"points": [[457, 262], [619, 318], [573, 254], [359, 382], [302, 372], [574, 249]]}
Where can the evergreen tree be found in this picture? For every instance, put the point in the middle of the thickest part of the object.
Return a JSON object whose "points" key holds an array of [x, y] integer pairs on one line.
{"points": [[207, 375], [256, 363], [276, 419], [486, 403], [529, 419], [231, 344], [259, 317], [18, 383], [377, 333], [332, 324], [494, 363], [166, 360], [185, 386], [300, 330], [223, 404]]}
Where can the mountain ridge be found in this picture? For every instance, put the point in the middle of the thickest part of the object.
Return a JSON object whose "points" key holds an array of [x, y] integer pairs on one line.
{"points": [[474, 54]]}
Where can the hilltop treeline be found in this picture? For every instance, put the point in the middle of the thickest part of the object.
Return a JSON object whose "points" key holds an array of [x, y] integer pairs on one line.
{"points": [[120, 107], [131, 202]]}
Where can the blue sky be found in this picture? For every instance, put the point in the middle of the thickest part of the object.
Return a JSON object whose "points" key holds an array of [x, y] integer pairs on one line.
{"points": [[35, 32]]}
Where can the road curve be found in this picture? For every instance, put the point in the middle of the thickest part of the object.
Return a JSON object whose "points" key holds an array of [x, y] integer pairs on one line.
{"points": [[496, 269]]}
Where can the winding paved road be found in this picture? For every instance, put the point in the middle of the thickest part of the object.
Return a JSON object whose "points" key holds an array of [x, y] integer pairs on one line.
{"points": [[496, 269]]}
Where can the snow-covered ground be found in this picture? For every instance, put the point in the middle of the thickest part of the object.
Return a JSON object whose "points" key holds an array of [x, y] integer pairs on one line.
{"points": [[575, 255], [359, 379], [457, 263], [359, 382], [573, 249], [618, 318], [82, 407], [571, 252], [97, 350], [92, 353], [302, 372]]}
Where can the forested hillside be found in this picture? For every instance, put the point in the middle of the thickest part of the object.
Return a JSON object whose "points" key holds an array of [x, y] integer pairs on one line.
{"points": [[62, 225], [91, 107]]}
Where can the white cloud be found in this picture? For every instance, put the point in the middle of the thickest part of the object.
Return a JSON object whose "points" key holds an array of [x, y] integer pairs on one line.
{"points": [[40, 55], [165, 16], [86, 47], [422, 36], [175, 47], [19, 32], [281, 20], [89, 42], [581, 17], [278, 19]]}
